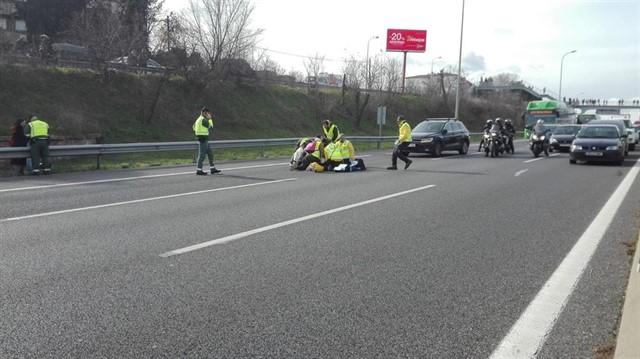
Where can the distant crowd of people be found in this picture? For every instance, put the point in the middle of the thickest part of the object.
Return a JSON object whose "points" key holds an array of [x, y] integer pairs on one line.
{"points": [[621, 102]]}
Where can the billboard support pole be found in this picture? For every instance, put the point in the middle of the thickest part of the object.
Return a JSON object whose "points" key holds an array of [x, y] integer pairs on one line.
{"points": [[404, 69]]}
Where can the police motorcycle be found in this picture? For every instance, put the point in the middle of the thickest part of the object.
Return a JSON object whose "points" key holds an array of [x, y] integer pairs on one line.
{"points": [[486, 136], [539, 141], [494, 142]]}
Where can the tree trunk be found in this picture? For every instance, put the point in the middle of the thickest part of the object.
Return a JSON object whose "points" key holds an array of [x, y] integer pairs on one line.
{"points": [[445, 101], [360, 109], [156, 97]]}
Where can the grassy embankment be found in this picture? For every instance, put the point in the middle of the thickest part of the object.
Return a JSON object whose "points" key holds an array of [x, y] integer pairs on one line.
{"points": [[85, 105]]}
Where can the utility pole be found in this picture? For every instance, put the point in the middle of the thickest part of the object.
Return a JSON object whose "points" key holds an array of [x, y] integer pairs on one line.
{"points": [[459, 65]]}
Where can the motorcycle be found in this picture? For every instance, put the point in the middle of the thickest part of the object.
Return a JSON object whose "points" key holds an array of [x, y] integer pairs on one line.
{"points": [[509, 143], [484, 142], [538, 143], [494, 145]]}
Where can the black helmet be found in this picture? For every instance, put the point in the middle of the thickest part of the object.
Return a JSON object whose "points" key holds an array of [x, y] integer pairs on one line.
{"points": [[205, 109]]}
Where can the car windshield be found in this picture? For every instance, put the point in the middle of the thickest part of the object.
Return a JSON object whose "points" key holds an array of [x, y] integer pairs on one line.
{"points": [[566, 130], [627, 124], [428, 126], [598, 132]]}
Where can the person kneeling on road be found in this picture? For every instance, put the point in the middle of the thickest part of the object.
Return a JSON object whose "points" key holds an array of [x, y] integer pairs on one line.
{"points": [[315, 154], [401, 145], [201, 128], [333, 154]]}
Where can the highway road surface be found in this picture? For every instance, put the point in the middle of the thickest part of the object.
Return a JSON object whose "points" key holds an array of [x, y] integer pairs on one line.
{"points": [[458, 257]]}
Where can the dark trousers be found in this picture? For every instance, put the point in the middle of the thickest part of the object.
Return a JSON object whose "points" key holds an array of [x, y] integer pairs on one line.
{"points": [[40, 154], [309, 159], [204, 151], [398, 153]]}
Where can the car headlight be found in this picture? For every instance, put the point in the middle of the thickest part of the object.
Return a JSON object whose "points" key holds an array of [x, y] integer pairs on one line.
{"points": [[612, 148], [542, 138], [553, 140], [427, 140], [534, 137], [576, 148]]}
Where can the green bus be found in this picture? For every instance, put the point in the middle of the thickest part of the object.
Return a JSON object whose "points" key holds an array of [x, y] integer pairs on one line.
{"points": [[550, 111]]}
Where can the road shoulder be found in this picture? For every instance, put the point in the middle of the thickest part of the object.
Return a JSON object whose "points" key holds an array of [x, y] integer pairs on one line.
{"points": [[628, 345]]}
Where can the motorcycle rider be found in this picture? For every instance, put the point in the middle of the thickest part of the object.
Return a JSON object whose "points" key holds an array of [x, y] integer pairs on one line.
{"points": [[486, 128], [511, 132], [540, 130], [499, 127]]}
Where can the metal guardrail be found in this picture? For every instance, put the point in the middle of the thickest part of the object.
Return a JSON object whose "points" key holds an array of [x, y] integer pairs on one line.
{"points": [[124, 148]]}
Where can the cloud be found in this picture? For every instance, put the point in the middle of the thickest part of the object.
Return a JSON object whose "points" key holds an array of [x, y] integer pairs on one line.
{"points": [[473, 62]]}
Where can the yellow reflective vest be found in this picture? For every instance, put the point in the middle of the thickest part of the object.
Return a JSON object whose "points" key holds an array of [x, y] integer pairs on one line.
{"points": [[333, 152], [347, 151], [405, 132], [319, 150], [200, 128], [331, 133], [39, 128]]}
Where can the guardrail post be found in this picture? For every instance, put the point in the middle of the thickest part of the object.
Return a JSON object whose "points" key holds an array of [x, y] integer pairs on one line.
{"points": [[98, 161], [262, 151], [379, 142]]}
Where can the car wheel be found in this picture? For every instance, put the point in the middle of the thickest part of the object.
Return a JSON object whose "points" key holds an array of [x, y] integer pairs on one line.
{"points": [[573, 162], [437, 150], [464, 148]]}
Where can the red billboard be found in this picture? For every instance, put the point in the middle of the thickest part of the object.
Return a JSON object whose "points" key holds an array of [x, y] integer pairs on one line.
{"points": [[406, 40]]}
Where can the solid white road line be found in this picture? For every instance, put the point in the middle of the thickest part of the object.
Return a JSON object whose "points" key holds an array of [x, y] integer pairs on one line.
{"points": [[520, 173], [237, 236], [554, 155], [130, 178], [527, 335], [142, 200], [533, 160]]}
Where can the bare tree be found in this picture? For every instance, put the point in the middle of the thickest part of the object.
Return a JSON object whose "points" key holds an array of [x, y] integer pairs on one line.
{"points": [[221, 29], [505, 79], [392, 74], [355, 75], [100, 29], [314, 65], [297, 75]]}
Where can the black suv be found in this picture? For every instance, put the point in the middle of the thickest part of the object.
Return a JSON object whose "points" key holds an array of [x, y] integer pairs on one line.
{"points": [[439, 134]]}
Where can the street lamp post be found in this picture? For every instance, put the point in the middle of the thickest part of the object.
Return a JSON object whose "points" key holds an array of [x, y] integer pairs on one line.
{"points": [[369, 66], [561, 67], [459, 64], [432, 60]]}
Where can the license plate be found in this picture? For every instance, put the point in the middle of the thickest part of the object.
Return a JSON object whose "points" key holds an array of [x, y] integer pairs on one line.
{"points": [[412, 145], [594, 154], [565, 145]]}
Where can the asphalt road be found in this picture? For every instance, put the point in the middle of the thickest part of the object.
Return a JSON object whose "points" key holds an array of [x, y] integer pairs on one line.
{"points": [[441, 272]]}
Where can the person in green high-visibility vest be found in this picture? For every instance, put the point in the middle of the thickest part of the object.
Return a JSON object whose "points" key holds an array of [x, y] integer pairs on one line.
{"points": [[38, 133], [201, 128], [330, 131]]}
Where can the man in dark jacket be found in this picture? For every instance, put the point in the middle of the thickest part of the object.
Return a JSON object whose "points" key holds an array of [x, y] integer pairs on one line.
{"points": [[18, 139]]}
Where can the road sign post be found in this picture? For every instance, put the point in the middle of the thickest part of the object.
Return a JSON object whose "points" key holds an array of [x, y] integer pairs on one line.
{"points": [[382, 120]]}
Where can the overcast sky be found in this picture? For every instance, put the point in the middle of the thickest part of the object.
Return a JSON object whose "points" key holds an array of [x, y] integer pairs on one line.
{"points": [[523, 37]]}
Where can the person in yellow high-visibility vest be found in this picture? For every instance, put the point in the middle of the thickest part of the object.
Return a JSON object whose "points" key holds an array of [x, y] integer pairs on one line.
{"points": [[347, 150], [201, 128], [38, 133], [333, 155], [401, 145], [330, 131]]}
